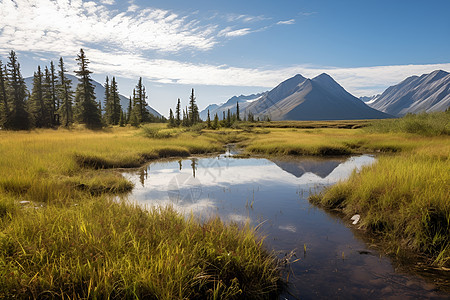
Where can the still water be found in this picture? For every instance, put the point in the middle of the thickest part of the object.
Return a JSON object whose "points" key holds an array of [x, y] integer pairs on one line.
{"points": [[272, 194]]}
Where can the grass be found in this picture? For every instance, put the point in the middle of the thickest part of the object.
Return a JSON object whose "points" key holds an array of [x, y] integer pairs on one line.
{"points": [[126, 252], [70, 240], [403, 198]]}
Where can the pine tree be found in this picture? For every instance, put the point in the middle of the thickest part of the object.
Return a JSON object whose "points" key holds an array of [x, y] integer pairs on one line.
{"points": [[66, 95], [172, 122], [139, 112], [36, 104], [122, 119], [87, 110], [228, 118], [115, 101], [55, 100], [178, 113], [216, 122], [130, 107], [193, 110], [4, 107], [208, 121], [47, 117], [107, 104], [18, 118], [238, 118]]}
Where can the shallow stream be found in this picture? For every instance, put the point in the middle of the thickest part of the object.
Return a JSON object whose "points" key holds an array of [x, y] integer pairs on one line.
{"points": [[273, 194]]}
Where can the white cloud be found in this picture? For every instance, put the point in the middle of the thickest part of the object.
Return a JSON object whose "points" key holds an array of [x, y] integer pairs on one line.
{"points": [[63, 26], [361, 81], [288, 22], [229, 32], [107, 2]]}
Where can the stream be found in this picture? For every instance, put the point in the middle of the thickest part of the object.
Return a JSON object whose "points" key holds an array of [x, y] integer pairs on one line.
{"points": [[273, 194]]}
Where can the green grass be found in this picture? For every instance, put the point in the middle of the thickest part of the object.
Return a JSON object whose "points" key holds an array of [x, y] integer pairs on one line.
{"points": [[403, 198], [126, 252], [72, 241]]}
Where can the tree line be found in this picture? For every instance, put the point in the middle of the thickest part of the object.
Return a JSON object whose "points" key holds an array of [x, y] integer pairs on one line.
{"points": [[52, 102]]}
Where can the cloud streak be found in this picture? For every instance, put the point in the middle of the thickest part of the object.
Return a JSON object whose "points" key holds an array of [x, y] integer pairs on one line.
{"points": [[65, 26]]}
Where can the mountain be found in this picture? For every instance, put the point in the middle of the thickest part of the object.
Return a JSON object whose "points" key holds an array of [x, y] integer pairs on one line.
{"points": [[320, 98], [425, 93], [99, 90], [244, 101], [370, 99]]}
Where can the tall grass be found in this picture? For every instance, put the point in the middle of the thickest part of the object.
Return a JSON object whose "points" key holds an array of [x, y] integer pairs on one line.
{"points": [[67, 239], [426, 124], [403, 198], [103, 249]]}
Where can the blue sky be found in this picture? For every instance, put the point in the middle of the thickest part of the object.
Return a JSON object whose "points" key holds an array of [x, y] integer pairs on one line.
{"points": [[227, 48]]}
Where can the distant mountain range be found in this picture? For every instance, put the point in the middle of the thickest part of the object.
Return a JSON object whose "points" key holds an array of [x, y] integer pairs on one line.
{"points": [[425, 93], [300, 98], [244, 101], [99, 90]]}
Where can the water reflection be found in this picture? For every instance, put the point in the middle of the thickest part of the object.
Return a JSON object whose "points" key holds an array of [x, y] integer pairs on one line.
{"points": [[334, 263]]}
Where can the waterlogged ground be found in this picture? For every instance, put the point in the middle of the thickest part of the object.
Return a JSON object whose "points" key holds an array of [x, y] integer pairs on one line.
{"points": [[332, 262]]}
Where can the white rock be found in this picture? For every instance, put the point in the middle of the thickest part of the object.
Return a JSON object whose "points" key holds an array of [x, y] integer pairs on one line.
{"points": [[355, 219]]}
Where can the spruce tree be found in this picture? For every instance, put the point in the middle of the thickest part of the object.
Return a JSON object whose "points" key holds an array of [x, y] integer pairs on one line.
{"points": [[208, 121], [172, 122], [36, 104], [238, 118], [48, 105], [216, 122], [18, 118], [107, 104], [140, 113], [130, 107], [55, 100], [4, 107], [86, 109], [115, 102], [193, 110], [66, 95], [178, 113]]}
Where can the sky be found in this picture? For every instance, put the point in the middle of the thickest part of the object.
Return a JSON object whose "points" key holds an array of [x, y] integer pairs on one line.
{"points": [[228, 48]]}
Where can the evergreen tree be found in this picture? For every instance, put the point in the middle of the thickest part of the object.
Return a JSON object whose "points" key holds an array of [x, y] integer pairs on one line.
{"points": [[86, 109], [55, 101], [139, 112], [216, 122], [178, 113], [122, 119], [172, 122], [115, 101], [193, 110], [107, 105], [39, 112], [66, 95], [185, 121], [4, 107], [47, 118], [18, 118], [130, 107], [208, 121], [228, 118], [238, 118]]}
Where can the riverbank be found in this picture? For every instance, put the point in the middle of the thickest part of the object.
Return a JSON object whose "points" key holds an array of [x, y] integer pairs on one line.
{"points": [[61, 235], [55, 208]]}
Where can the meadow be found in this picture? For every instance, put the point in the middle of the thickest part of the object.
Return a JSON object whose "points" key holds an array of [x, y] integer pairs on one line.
{"points": [[63, 234]]}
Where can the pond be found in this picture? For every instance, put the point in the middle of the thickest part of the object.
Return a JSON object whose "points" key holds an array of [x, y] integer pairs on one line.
{"points": [[273, 195]]}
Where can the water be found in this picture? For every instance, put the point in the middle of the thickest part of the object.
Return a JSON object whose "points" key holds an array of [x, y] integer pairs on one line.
{"points": [[333, 261]]}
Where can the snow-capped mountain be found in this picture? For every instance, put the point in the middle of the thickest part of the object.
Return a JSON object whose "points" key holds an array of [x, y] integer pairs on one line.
{"points": [[231, 104], [320, 98], [99, 90], [425, 93]]}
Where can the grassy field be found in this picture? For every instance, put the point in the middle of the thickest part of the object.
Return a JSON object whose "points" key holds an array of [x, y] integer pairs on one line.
{"points": [[404, 198], [61, 235]]}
